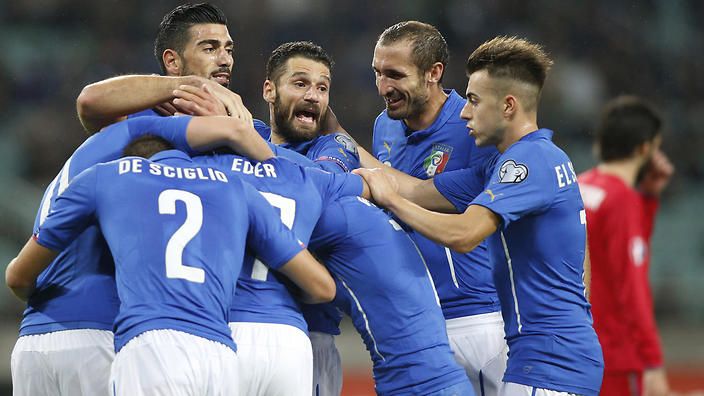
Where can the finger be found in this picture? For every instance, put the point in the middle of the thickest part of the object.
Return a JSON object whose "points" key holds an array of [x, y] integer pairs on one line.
{"points": [[189, 107], [159, 109], [199, 92]]}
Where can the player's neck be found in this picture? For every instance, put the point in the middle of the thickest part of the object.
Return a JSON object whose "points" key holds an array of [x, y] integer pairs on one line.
{"points": [[625, 169], [275, 137], [430, 112], [517, 131]]}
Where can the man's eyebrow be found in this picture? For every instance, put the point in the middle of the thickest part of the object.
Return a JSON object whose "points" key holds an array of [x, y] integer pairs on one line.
{"points": [[305, 75], [214, 42]]}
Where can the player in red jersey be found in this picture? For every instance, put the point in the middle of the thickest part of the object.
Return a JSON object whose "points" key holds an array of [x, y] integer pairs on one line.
{"points": [[621, 198]]}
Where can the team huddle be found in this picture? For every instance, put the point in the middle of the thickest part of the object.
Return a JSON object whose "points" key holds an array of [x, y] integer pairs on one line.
{"points": [[188, 249]]}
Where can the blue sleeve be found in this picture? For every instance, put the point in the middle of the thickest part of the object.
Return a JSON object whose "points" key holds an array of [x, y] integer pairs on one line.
{"points": [[460, 186], [108, 144], [336, 153], [291, 155], [73, 211], [262, 128], [335, 185], [268, 237], [521, 184], [171, 129]]}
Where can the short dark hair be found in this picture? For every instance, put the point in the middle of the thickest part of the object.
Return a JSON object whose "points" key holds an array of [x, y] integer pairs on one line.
{"points": [[145, 146], [626, 123], [286, 51], [173, 29], [428, 45], [511, 57]]}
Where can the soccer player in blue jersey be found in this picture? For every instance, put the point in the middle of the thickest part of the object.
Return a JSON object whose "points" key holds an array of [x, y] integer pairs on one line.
{"points": [[177, 232], [193, 47], [530, 210], [420, 133], [298, 78], [66, 343], [384, 285], [267, 323]]}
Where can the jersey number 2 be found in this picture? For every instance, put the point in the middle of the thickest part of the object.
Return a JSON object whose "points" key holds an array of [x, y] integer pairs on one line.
{"points": [[174, 248], [287, 206]]}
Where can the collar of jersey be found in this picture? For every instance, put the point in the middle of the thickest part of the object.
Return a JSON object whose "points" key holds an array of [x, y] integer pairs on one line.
{"points": [[541, 133], [449, 109], [169, 154]]}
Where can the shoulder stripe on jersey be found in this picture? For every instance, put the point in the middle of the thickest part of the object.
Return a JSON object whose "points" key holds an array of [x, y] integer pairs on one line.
{"points": [[364, 316], [513, 282], [452, 267], [46, 202], [63, 182]]}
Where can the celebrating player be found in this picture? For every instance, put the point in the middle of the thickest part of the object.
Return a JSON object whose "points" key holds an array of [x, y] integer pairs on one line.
{"points": [[421, 133], [530, 210]]}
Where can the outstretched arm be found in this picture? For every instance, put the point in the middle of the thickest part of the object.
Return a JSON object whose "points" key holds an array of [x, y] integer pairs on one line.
{"points": [[108, 101], [22, 272], [460, 232]]}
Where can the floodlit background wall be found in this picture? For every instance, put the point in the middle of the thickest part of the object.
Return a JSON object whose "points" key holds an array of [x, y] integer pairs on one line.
{"points": [[655, 48]]}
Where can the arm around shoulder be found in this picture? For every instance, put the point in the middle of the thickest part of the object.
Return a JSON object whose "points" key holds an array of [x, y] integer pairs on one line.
{"points": [[311, 276]]}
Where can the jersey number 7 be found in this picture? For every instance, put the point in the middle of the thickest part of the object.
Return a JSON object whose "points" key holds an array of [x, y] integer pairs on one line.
{"points": [[287, 207]]}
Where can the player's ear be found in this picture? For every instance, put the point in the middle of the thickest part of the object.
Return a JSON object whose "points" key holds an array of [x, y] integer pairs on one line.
{"points": [[172, 62], [269, 91], [510, 106], [435, 72]]}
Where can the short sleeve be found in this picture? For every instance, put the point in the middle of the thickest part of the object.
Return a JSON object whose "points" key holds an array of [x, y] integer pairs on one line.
{"points": [[336, 153], [335, 185], [267, 236], [172, 129], [73, 211], [521, 183], [461, 186]]}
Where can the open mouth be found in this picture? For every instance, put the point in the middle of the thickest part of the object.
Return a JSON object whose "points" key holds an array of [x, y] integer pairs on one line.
{"points": [[391, 101], [306, 117], [221, 78]]}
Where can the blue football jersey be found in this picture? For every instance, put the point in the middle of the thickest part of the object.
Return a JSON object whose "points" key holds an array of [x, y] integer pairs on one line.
{"points": [[538, 256], [77, 291], [177, 233], [299, 194], [463, 281], [384, 285], [335, 153]]}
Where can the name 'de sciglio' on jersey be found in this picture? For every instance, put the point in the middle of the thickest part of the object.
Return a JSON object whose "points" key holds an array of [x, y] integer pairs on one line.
{"points": [[134, 165]]}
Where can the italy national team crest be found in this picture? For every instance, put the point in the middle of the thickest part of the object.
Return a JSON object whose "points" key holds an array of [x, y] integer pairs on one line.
{"points": [[437, 160]]}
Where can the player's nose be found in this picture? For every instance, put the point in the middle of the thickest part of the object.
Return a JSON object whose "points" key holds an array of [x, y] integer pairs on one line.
{"points": [[466, 113]]}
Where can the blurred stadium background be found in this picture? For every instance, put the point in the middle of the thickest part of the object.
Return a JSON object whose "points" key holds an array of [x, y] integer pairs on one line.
{"points": [[654, 48]]}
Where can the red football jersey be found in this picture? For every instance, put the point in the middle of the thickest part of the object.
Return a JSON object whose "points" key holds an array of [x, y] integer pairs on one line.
{"points": [[619, 226]]}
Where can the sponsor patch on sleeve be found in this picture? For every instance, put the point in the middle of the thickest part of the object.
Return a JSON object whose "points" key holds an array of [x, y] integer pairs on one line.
{"points": [[512, 172], [346, 142]]}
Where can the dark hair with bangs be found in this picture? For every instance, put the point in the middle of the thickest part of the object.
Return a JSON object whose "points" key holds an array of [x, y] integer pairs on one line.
{"points": [[428, 45], [513, 58], [284, 52], [173, 29], [626, 123]]}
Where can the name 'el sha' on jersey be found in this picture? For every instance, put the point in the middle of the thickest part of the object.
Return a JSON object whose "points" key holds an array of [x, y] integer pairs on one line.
{"points": [[538, 257], [463, 281], [77, 291], [383, 284], [299, 194], [177, 233]]}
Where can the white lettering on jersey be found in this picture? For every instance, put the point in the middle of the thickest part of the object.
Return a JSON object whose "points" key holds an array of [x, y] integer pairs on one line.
{"points": [[172, 172], [565, 177], [258, 169]]}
